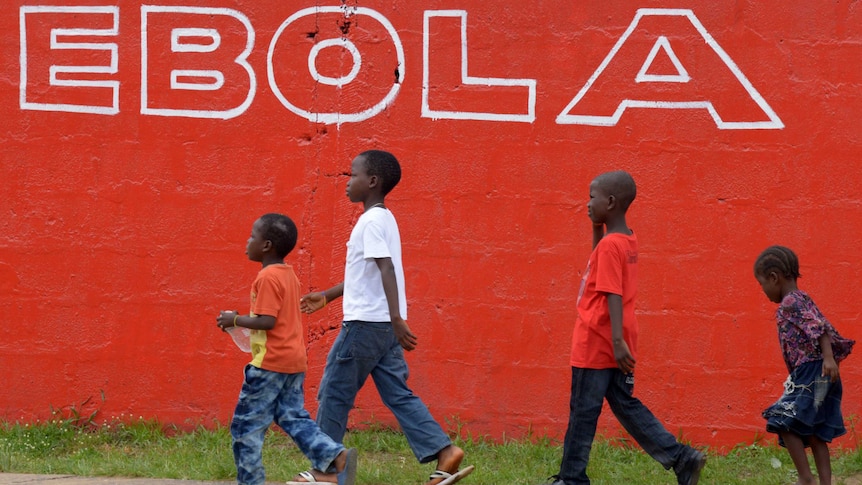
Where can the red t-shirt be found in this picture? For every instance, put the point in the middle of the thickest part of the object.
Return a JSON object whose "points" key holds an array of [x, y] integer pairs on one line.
{"points": [[612, 268], [275, 292]]}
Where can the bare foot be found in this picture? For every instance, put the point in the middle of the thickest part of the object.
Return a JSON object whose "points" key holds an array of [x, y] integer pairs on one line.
{"points": [[448, 460]]}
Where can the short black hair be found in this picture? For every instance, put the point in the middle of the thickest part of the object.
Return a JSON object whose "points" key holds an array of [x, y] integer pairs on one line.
{"points": [[621, 185], [779, 259], [385, 166], [281, 231]]}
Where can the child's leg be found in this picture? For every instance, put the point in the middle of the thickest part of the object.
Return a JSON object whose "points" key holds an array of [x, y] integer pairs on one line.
{"points": [[425, 436], [291, 416], [585, 406], [641, 423], [820, 450], [796, 448], [347, 368], [649, 432], [251, 419]]}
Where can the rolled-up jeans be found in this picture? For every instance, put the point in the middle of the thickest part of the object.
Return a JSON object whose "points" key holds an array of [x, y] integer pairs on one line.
{"points": [[371, 348], [590, 387], [265, 397]]}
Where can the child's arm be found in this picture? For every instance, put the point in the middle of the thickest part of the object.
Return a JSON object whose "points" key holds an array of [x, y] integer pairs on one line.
{"points": [[830, 367], [405, 337], [622, 354], [312, 302], [257, 322]]}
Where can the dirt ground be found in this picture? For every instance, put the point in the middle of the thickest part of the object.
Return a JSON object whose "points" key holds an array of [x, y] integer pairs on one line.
{"points": [[853, 480]]}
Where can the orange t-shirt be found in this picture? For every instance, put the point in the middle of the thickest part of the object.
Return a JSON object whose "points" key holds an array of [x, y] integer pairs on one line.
{"points": [[275, 292], [612, 268]]}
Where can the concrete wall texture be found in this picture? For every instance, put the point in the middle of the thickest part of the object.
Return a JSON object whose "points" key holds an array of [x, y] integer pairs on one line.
{"points": [[139, 142]]}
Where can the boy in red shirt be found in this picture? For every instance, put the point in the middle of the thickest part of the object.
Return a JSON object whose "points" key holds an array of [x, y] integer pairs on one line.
{"points": [[272, 384], [604, 344]]}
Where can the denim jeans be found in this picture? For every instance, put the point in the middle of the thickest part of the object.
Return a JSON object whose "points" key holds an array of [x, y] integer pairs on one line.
{"points": [[364, 348], [590, 387], [272, 396]]}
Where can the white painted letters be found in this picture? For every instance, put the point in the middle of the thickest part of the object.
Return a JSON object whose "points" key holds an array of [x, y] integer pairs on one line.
{"points": [[61, 74], [344, 43], [335, 81], [569, 115], [194, 63], [212, 80], [529, 113], [662, 44]]}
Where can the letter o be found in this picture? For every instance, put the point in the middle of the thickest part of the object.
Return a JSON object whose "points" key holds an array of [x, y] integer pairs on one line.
{"points": [[338, 118]]}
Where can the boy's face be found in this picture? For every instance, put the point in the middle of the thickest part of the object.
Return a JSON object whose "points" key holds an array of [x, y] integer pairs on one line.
{"points": [[256, 243], [359, 183], [597, 207]]}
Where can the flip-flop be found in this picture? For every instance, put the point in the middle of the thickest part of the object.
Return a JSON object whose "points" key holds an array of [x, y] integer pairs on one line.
{"points": [[450, 478], [346, 477], [307, 476]]}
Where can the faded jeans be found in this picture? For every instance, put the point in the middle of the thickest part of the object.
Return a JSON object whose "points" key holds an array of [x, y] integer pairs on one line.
{"points": [[590, 387], [268, 396], [370, 348]]}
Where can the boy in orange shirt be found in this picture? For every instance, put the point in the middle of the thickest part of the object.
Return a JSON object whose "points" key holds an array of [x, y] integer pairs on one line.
{"points": [[605, 340], [272, 387]]}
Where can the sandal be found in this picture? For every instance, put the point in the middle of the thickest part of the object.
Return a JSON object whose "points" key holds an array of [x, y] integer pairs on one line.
{"points": [[449, 478], [347, 476]]}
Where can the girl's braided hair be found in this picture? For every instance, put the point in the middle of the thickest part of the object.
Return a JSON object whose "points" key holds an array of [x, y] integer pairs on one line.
{"points": [[780, 259]]}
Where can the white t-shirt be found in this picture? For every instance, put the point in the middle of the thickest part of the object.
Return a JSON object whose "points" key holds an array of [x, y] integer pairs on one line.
{"points": [[375, 235]]}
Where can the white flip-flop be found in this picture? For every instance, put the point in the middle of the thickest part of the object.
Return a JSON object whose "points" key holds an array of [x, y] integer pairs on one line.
{"points": [[345, 477], [450, 478]]}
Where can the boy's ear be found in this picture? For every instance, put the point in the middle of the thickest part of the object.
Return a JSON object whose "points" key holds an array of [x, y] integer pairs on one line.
{"points": [[372, 181], [773, 277], [612, 202], [267, 245]]}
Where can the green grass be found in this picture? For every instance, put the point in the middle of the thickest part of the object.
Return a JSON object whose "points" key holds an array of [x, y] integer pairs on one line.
{"points": [[139, 448]]}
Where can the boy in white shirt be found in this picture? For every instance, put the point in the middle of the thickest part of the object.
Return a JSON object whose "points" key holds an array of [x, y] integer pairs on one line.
{"points": [[374, 332]]}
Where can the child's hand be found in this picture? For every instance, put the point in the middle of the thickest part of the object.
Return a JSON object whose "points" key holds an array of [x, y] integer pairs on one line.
{"points": [[226, 318], [405, 337], [830, 368], [623, 356], [312, 302]]}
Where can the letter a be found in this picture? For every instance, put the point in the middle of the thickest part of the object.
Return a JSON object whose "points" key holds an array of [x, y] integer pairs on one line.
{"points": [[717, 85]]}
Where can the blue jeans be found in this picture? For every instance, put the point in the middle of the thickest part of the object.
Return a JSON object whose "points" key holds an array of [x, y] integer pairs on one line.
{"points": [[364, 348], [590, 387], [268, 396]]}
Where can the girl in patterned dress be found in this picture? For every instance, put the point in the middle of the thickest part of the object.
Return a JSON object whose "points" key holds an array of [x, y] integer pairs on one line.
{"points": [[809, 411]]}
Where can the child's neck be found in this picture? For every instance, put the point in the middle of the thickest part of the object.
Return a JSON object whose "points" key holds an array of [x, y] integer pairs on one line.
{"points": [[788, 286], [373, 201], [617, 225], [268, 261]]}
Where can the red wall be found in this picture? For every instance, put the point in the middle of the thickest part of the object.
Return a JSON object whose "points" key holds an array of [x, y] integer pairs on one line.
{"points": [[127, 202]]}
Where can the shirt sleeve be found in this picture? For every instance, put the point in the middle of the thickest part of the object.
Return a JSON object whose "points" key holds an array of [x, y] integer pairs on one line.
{"points": [[609, 268], [267, 300], [374, 241], [802, 313]]}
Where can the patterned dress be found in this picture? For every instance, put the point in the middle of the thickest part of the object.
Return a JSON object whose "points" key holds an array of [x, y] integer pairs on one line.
{"points": [[811, 403]]}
